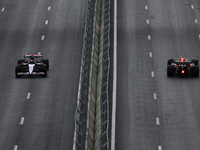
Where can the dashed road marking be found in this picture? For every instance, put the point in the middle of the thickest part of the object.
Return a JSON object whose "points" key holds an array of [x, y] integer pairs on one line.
{"points": [[157, 121], [152, 74], [28, 96], [195, 20], [149, 37], [192, 6], [199, 36], [147, 21], [159, 147], [15, 147], [42, 38], [22, 120], [150, 54], [154, 95], [46, 22], [3, 9], [49, 8], [146, 7]]}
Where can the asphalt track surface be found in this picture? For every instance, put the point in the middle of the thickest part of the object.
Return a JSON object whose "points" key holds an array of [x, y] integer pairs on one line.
{"points": [[154, 111], [38, 113]]}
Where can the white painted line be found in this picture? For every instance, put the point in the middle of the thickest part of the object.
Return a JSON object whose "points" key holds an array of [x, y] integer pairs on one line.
{"points": [[152, 74], [28, 96], [114, 79], [199, 36], [192, 6], [147, 21], [42, 38], [22, 121], [3, 9], [15, 147], [46, 22], [49, 8], [159, 147], [195, 20], [154, 95], [157, 121], [150, 54], [149, 37], [146, 7]]}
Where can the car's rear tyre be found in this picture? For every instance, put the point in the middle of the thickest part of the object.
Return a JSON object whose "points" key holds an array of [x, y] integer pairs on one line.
{"points": [[44, 69], [46, 62], [195, 71], [20, 61], [196, 62], [170, 71], [17, 70], [169, 62]]}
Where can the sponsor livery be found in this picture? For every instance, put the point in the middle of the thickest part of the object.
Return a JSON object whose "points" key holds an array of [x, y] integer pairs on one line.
{"points": [[183, 67], [32, 65]]}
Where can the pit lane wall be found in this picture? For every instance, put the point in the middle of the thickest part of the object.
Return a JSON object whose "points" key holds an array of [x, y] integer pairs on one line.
{"points": [[92, 114]]}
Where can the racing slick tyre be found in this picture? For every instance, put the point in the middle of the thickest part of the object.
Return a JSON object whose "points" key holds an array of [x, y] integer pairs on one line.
{"points": [[46, 62], [17, 70], [170, 71], [20, 61], [44, 69], [196, 62], [195, 71], [169, 62]]}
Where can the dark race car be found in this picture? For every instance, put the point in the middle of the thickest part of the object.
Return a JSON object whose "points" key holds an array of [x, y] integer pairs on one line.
{"points": [[32, 65], [183, 67]]}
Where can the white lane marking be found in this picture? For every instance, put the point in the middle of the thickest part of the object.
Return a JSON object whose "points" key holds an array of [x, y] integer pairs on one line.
{"points": [[199, 36], [3, 9], [147, 21], [192, 6], [152, 74], [22, 120], [146, 7], [28, 96], [157, 121], [114, 79], [42, 38], [49, 8], [154, 95], [149, 37], [159, 147], [150, 54], [15, 147], [195, 20], [46, 22]]}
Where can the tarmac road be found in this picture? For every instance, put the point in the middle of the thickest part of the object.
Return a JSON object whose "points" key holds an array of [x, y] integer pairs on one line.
{"points": [[38, 113], [153, 110]]}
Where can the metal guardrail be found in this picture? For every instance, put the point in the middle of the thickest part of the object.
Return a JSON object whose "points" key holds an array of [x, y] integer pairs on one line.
{"points": [[84, 81], [104, 138], [81, 112]]}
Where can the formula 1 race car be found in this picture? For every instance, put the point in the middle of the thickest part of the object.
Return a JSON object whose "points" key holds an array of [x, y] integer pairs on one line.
{"points": [[183, 67], [32, 65]]}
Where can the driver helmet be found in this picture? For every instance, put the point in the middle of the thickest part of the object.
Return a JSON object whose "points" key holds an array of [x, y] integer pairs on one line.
{"points": [[32, 60], [182, 59]]}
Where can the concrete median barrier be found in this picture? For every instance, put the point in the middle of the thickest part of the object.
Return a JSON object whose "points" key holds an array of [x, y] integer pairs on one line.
{"points": [[90, 136]]}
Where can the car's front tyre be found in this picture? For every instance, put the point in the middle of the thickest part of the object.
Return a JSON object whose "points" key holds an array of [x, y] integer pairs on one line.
{"points": [[17, 70], [44, 69], [46, 62]]}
